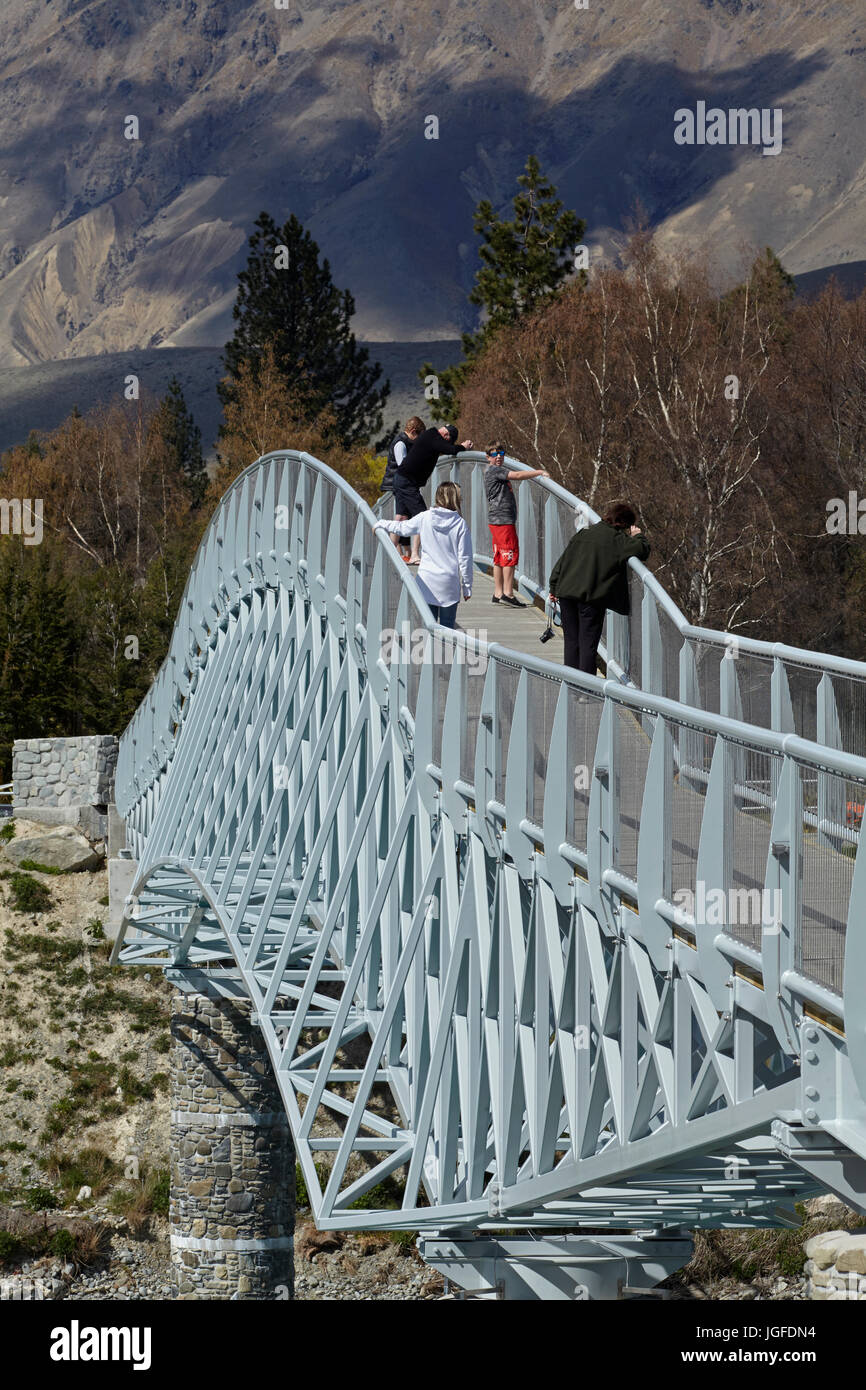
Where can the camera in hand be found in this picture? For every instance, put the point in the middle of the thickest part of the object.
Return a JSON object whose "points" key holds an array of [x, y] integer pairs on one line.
{"points": [[546, 634]]}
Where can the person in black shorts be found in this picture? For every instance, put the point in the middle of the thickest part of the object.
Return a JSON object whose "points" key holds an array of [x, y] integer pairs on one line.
{"points": [[416, 470]]}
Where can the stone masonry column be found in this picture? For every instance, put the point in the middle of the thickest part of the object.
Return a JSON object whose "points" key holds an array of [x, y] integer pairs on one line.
{"points": [[232, 1159]]}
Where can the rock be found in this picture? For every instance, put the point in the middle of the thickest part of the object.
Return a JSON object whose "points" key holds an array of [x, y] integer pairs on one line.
{"points": [[62, 849], [851, 1255], [822, 1248], [830, 1207]]}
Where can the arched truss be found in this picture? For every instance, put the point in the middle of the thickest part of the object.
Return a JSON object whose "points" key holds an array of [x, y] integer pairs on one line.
{"points": [[550, 949]]}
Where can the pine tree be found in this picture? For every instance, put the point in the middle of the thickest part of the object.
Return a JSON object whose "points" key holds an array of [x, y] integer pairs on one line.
{"points": [[524, 263], [287, 299], [38, 640], [183, 437]]}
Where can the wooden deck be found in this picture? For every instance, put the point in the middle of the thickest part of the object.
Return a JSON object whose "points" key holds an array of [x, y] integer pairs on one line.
{"points": [[518, 628]]}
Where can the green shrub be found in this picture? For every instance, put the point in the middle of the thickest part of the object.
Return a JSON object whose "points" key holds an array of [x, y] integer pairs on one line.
{"points": [[28, 895], [91, 1167], [62, 1243], [40, 1199], [9, 1247], [7, 832], [161, 1190], [302, 1196], [133, 1087]]}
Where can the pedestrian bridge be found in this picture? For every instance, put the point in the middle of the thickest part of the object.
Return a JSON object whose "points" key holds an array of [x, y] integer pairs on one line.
{"points": [[555, 951]]}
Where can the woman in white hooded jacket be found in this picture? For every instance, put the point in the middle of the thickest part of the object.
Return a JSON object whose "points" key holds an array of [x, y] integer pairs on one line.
{"points": [[445, 571]]}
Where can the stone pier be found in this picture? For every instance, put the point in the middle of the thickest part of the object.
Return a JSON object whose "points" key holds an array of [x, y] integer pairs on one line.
{"points": [[232, 1164]]}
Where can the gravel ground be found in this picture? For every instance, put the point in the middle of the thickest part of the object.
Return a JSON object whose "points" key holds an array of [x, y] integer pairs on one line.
{"points": [[359, 1268]]}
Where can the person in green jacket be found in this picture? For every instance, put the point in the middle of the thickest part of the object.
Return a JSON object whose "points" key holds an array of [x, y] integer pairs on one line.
{"points": [[590, 576]]}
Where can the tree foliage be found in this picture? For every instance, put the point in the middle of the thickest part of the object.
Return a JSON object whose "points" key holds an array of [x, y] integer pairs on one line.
{"points": [[524, 264], [183, 437], [288, 302], [729, 419]]}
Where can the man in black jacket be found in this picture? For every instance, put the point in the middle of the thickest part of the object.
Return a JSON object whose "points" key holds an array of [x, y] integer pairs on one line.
{"points": [[417, 469], [591, 576]]}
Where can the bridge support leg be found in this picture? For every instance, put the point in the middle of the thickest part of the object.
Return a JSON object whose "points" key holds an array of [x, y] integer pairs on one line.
{"points": [[573, 1268], [232, 1160]]}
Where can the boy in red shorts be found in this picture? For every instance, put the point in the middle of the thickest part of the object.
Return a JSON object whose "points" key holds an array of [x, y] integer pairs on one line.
{"points": [[502, 518]]}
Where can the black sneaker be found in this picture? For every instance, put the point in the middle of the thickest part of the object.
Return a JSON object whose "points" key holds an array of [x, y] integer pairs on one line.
{"points": [[495, 598], [512, 602]]}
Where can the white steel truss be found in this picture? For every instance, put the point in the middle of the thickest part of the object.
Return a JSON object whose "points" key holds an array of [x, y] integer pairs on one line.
{"points": [[473, 968]]}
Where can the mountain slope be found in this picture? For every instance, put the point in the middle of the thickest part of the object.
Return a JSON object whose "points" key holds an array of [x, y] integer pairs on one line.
{"points": [[108, 244]]}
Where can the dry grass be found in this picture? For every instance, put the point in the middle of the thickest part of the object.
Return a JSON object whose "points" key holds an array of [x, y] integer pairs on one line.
{"points": [[746, 1255]]}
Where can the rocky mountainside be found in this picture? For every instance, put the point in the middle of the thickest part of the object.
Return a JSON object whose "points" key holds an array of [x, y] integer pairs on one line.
{"points": [[42, 395], [110, 243]]}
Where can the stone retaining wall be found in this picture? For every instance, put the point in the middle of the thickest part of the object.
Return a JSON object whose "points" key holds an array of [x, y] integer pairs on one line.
{"points": [[65, 780], [836, 1265], [232, 1159]]}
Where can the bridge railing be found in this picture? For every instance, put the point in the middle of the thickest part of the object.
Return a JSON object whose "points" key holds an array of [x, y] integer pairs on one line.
{"points": [[720, 849], [815, 695], [289, 521]]}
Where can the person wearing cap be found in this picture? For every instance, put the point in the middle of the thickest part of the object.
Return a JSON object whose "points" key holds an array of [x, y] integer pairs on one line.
{"points": [[502, 520], [416, 470]]}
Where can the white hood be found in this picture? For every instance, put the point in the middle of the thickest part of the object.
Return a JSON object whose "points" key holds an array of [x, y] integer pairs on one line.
{"points": [[446, 553]]}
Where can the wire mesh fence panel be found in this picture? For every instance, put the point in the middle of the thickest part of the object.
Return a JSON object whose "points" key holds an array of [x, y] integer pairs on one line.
{"points": [[691, 756], [329, 497], [803, 687], [543, 694], [634, 736], [469, 732], [368, 560], [415, 646], [744, 907], [476, 511], [756, 780], [347, 540], [507, 678], [250, 515], [826, 870], [560, 530], [754, 674], [635, 626], [393, 593], [531, 540], [441, 677], [708, 663], [850, 696], [672, 641], [304, 499], [462, 471], [584, 717]]}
